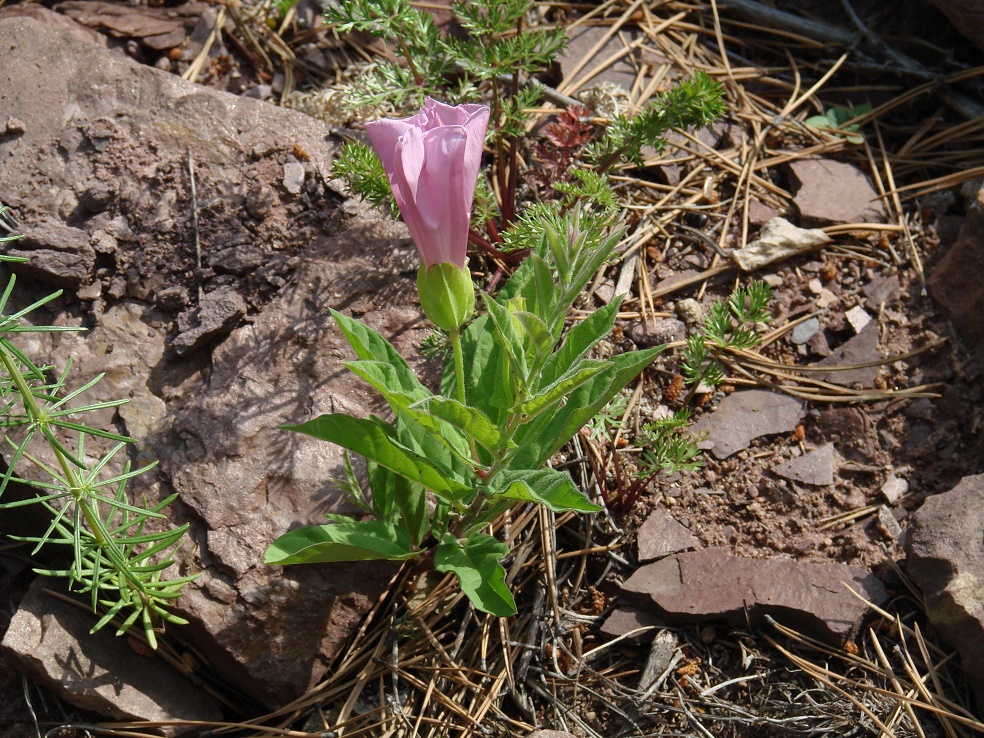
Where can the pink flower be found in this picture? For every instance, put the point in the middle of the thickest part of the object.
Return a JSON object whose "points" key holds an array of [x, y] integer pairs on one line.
{"points": [[432, 161]]}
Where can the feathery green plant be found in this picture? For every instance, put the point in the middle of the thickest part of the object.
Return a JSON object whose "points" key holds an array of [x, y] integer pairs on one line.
{"points": [[118, 556], [729, 324]]}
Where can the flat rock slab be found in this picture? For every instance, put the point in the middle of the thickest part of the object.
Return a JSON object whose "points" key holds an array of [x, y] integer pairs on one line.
{"points": [[711, 584], [945, 549], [660, 535], [815, 467], [99, 672], [832, 191], [861, 349], [638, 626], [743, 416]]}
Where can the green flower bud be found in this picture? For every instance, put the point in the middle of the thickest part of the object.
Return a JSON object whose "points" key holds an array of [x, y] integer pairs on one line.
{"points": [[447, 295]]}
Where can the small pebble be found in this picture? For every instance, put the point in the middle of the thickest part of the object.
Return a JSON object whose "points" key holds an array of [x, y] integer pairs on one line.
{"points": [[894, 488], [690, 311], [858, 317], [826, 299], [293, 177], [805, 331], [815, 286]]}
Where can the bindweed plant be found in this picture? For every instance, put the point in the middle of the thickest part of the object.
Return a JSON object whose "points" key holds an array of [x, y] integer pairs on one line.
{"points": [[515, 390], [115, 556]]}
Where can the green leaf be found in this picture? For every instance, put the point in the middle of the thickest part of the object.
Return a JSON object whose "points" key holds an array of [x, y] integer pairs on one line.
{"points": [[471, 421], [357, 541], [374, 440], [507, 337], [542, 438], [554, 393], [384, 379], [549, 487], [580, 339], [399, 501], [537, 339], [371, 346], [480, 575]]}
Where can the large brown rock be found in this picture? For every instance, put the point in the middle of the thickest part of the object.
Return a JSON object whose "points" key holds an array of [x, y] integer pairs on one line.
{"points": [[956, 283], [99, 672], [945, 550], [103, 148], [710, 584]]}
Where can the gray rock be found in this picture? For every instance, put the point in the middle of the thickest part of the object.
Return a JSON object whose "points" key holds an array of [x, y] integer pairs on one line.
{"points": [[814, 467], [713, 585], [945, 554], [861, 349], [638, 626], [818, 344], [887, 524], [858, 317], [219, 312], [293, 177], [99, 672], [806, 330], [550, 734], [581, 41], [660, 535], [744, 416], [238, 259], [967, 16], [242, 481], [663, 330], [660, 656], [834, 192], [690, 311], [248, 481], [882, 290], [894, 488], [260, 200], [54, 21]]}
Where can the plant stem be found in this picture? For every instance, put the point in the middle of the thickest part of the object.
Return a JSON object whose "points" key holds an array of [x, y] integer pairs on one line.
{"points": [[459, 365]]}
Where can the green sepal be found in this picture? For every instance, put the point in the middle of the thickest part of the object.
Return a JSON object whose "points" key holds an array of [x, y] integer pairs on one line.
{"points": [[447, 295]]}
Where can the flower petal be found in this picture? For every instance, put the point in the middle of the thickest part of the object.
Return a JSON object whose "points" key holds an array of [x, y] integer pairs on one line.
{"points": [[384, 135], [441, 195]]}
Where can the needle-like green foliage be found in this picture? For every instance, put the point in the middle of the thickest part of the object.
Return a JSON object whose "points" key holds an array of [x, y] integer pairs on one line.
{"points": [[117, 558], [729, 325]]}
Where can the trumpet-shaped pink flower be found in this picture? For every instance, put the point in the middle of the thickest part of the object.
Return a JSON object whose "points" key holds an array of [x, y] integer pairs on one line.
{"points": [[432, 161]]}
